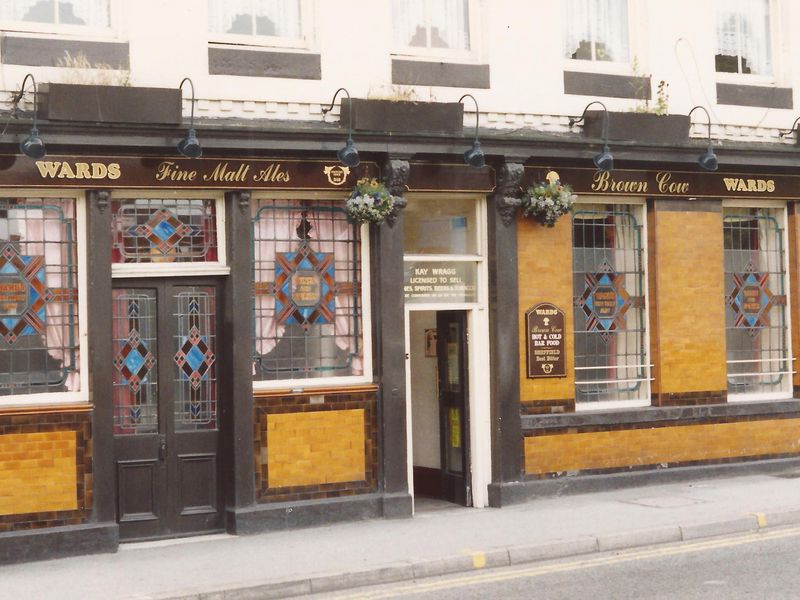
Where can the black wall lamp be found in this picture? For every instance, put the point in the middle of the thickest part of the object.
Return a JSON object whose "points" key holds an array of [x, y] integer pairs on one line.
{"points": [[190, 145], [32, 146], [792, 130], [348, 155], [603, 161], [708, 160], [474, 156]]}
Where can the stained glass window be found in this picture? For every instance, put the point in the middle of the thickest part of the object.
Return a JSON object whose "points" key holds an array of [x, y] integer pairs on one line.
{"points": [[158, 230], [195, 359], [758, 355], [609, 308], [39, 343], [135, 379], [307, 291]]}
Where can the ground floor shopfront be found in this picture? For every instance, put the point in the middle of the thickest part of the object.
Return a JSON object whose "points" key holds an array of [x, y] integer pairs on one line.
{"points": [[675, 295], [201, 345]]}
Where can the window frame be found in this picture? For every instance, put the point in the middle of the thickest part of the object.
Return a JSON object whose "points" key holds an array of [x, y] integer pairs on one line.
{"points": [[85, 32], [750, 78], [783, 207], [470, 55], [303, 43], [178, 269], [640, 205], [82, 395], [300, 385], [635, 15]]}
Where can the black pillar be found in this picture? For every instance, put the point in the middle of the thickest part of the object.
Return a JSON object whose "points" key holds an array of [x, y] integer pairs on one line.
{"points": [[237, 407], [390, 364], [99, 377], [504, 332]]}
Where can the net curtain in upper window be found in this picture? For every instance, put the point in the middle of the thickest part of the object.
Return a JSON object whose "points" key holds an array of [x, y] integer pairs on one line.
{"points": [[596, 30], [438, 24], [91, 13], [273, 18], [743, 38], [329, 343]]}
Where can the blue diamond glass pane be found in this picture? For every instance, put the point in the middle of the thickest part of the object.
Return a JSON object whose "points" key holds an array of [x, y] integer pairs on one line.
{"points": [[164, 230], [195, 358]]}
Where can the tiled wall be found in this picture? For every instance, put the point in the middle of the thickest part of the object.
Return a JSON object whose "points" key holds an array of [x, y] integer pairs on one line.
{"points": [[652, 446], [45, 468], [310, 446], [545, 275], [687, 310], [315, 448]]}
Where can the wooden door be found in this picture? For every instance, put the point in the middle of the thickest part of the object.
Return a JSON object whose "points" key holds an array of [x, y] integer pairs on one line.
{"points": [[165, 395]]}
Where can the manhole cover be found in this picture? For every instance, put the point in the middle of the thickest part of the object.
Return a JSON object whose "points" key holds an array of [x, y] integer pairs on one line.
{"points": [[665, 501]]}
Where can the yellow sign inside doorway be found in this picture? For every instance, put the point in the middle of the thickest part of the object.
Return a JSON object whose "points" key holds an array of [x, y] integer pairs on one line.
{"points": [[455, 428]]}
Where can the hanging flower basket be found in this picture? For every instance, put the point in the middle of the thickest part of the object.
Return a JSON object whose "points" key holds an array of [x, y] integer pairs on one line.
{"points": [[547, 201], [369, 202]]}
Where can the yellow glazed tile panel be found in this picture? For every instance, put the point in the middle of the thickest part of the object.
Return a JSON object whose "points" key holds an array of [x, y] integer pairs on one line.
{"points": [[313, 448], [38, 472], [612, 449], [690, 302], [544, 271]]}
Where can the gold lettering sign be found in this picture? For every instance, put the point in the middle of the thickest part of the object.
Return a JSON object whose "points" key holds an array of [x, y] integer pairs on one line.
{"points": [[57, 169], [739, 184], [306, 288]]}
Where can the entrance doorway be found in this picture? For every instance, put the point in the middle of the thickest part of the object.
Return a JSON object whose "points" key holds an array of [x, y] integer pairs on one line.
{"points": [[440, 405], [165, 398]]}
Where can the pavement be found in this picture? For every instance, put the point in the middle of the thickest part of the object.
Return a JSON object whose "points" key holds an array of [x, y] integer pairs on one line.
{"points": [[439, 539]]}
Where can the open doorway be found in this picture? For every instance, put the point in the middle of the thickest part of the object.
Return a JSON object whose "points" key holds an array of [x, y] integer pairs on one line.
{"points": [[440, 405]]}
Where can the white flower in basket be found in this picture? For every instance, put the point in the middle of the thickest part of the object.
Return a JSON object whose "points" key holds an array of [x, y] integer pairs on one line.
{"points": [[547, 201], [369, 202]]}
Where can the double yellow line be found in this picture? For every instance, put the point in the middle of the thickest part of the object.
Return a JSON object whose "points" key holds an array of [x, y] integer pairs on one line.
{"points": [[472, 578]]}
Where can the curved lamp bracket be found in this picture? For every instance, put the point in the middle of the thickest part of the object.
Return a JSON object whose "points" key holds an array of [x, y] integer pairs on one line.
{"points": [[474, 156], [348, 155]]}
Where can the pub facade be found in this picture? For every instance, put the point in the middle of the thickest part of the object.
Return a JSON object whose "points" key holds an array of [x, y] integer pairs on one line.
{"points": [[196, 336]]}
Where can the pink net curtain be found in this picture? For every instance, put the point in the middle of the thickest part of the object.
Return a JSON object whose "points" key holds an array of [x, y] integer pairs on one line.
{"points": [[43, 229], [338, 237], [275, 232]]}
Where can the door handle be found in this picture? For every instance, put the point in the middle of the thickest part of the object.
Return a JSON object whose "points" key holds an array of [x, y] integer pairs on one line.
{"points": [[162, 448]]}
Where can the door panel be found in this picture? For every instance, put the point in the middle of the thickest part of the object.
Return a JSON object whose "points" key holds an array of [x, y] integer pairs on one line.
{"points": [[451, 342], [165, 408]]}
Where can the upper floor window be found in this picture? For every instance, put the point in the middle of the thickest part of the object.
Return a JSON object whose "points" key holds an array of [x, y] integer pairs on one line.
{"points": [[68, 13], [257, 21], [596, 30], [431, 25], [743, 37]]}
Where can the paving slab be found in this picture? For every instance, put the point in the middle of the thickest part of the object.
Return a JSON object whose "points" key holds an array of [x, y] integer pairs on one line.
{"points": [[342, 556]]}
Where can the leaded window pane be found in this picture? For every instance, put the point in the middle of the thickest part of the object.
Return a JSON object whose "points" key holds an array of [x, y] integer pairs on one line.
{"points": [[307, 292], [135, 351], [39, 343], [758, 355], [159, 230], [609, 306], [195, 359]]}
